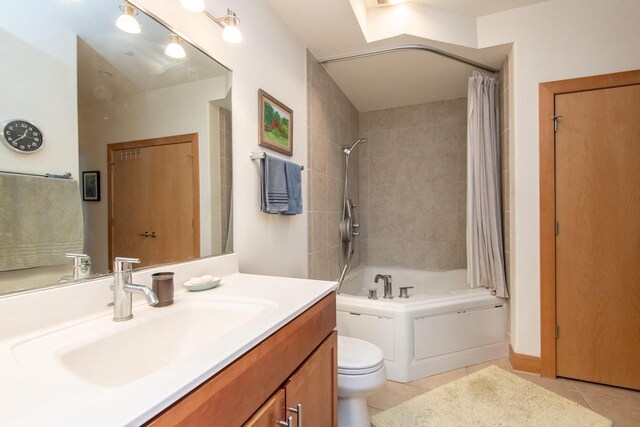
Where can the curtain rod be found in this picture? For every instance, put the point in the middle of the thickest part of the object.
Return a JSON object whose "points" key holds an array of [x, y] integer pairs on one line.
{"points": [[420, 47]]}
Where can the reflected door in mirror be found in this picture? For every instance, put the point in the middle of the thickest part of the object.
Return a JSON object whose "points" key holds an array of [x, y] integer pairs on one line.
{"points": [[154, 200]]}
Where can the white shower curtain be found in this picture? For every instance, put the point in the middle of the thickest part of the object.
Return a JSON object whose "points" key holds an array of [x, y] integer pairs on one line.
{"points": [[485, 255]]}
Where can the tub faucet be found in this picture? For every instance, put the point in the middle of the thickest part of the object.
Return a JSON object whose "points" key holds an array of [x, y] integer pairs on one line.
{"points": [[123, 288], [388, 285]]}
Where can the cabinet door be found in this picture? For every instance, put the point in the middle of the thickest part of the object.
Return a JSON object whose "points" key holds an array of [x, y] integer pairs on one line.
{"points": [[270, 413], [315, 386]]}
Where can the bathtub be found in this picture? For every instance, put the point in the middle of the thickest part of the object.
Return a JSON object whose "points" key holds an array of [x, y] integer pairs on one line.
{"points": [[443, 325]]}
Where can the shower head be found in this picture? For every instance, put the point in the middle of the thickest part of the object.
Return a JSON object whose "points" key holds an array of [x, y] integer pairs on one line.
{"points": [[348, 150]]}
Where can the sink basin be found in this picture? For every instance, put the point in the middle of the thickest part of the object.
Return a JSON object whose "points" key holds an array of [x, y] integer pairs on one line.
{"points": [[103, 353]]}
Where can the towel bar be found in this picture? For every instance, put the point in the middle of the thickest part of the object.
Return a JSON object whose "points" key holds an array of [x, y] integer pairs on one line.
{"points": [[66, 175], [261, 155]]}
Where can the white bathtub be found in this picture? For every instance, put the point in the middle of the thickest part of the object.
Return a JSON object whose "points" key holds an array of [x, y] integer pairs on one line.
{"points": [[443, 325]]}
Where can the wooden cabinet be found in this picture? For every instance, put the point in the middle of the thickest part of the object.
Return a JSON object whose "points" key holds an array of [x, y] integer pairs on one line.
{"points": [[270, 413], [297, 363], [315, 386], [308, 396]]}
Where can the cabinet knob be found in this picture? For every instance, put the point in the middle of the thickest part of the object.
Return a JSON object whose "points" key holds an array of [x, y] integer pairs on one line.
{"points": [[298, 411], [288, 423]]}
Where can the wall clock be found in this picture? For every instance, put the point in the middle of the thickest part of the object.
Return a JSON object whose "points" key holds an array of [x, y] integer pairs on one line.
{"points": [[21, 136]]}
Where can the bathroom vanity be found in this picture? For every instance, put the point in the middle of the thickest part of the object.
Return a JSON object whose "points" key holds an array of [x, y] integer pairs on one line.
{"points": [[290, 373], [255, 350]]}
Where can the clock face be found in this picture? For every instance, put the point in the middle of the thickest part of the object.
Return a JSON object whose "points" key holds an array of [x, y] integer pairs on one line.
{"points": [[21, 136]]}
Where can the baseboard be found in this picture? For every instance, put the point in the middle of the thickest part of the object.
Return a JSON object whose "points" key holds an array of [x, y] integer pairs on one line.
{"points": [[523, 362]]}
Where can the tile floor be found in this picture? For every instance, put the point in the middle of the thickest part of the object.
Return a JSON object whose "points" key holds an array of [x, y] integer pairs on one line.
{"points": [[620, 405]]}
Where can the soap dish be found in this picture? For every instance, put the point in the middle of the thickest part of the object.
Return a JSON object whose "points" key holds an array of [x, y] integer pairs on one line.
{"points": [[202, 286]]}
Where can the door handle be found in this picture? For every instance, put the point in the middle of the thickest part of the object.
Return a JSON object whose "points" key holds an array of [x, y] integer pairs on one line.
{"points": [[298, 411], [153, 235], [145, 234]]}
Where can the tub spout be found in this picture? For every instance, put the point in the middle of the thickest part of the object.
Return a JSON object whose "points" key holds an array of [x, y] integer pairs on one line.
{"points": [[388, 285]]}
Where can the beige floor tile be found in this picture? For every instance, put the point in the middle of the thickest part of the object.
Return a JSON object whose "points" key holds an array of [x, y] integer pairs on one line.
{"points": [[620, 406], [373, 411], [502, 363], [436, 381], [587, 387], [392, 394]]}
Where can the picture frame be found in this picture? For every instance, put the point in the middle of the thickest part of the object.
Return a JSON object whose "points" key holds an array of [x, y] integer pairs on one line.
{"points": [[91, 186], [275, 124]]}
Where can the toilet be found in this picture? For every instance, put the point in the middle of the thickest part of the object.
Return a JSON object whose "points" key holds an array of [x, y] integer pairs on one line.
{"points": [[360, 373]]}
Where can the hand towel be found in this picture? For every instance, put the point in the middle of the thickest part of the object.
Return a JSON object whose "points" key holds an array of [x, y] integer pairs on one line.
{"points": [[273, 185], [40, 221], [294, 188]]}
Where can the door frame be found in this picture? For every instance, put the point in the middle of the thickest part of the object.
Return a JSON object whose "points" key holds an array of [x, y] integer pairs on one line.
{"points": [[191, 138], [547, 93]]}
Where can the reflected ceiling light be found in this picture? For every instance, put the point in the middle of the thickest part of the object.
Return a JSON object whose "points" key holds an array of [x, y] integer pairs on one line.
{"points": [[195, 6], [127, 22], [174, 49]]}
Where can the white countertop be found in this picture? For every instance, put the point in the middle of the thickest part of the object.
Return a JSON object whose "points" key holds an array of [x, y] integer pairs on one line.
{"points": [[28, 399]]}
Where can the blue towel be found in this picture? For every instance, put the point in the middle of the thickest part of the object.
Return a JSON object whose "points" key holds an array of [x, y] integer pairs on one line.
{"points": [[280, 187], [273, 186], [294, 188]]}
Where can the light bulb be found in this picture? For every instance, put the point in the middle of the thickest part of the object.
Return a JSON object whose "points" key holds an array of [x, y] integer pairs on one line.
{"points": [[127, 22], [232, 34], [194, 6], [174, 49]]}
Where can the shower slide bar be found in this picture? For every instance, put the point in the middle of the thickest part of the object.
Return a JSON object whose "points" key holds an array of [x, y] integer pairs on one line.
{"points": [[261, 155], [420, 47]]}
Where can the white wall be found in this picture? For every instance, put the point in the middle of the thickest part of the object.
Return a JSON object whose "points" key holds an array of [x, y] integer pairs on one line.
{"points": [[269, 58], [174, 110], [44, 55], [554, 40]]}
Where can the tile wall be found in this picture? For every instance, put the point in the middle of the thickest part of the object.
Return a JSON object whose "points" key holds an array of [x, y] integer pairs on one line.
{"points": [[413, 186], [332, 123]]}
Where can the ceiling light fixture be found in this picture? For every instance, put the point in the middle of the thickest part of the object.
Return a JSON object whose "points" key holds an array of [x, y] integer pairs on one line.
{"points": [[195, 6], [174, 49], [231, 33], [229, 22], [127, 22]]}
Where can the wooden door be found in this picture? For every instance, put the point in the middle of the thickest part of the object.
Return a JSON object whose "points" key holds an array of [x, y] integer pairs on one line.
{"points": [[598, 236], [154, 200], [315, 386], [270, 413]]}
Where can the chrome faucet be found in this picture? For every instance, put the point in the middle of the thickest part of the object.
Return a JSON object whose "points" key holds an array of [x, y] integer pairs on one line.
{"points": [[388, 286], [123, 288]]}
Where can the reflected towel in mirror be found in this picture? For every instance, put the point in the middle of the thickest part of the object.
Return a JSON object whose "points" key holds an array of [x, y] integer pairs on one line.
{"points": [[40, 221]]}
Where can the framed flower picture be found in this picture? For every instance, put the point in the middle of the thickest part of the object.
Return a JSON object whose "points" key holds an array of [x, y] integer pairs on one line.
{"points": [[276, 124]]}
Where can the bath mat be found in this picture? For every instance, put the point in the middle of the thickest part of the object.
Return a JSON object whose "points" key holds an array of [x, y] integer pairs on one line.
{"points": [[488, 398]]}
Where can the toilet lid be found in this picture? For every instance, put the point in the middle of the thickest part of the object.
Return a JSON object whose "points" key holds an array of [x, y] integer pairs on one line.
{"points": [[357, 357]]}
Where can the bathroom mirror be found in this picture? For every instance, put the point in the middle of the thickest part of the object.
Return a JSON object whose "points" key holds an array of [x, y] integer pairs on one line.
{"points": [[138, 116]]}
